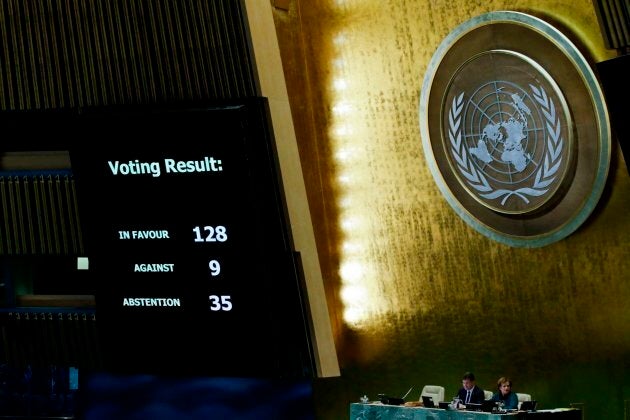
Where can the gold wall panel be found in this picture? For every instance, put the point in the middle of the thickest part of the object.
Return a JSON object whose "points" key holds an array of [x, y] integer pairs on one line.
{"points": [[417, 296]]}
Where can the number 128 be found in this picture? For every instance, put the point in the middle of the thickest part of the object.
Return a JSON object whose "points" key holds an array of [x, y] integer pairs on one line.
{"points": [[212, 234]]}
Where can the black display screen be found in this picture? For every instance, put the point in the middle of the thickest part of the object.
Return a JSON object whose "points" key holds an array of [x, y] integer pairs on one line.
{"points": [[185, 232]]}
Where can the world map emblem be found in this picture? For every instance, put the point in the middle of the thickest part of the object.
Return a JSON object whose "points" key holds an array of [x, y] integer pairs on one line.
{"points": [[509, 139], [515, 129]]}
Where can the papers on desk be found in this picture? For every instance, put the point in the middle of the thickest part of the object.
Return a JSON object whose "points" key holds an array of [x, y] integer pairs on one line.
{"points": [[555, 410]]}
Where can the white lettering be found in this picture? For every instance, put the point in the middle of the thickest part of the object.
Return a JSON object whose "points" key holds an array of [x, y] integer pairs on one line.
{"points": [[208, 164], [152, 302], [150, 234], [134, 167], [154, 268]]}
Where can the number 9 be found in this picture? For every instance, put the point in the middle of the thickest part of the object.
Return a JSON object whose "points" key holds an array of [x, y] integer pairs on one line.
{"points": [[215, 267]]}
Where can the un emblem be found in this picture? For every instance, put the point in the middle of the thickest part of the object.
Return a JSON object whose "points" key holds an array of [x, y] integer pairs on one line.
{"points": [[510, 116], [508, 138]]}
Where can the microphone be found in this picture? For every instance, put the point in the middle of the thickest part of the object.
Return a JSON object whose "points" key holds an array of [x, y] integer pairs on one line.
{"points": [[393, 400], [405, 396]]}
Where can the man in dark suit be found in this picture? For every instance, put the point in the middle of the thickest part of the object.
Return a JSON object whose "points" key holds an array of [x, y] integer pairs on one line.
{"points": [[469, 392]]}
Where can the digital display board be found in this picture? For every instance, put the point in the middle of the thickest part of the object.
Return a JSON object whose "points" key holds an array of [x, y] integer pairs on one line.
{"points": [[186, 237]]}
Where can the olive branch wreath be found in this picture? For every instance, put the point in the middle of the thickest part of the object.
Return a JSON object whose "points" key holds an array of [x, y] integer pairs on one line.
{"points": [[476, 179]]}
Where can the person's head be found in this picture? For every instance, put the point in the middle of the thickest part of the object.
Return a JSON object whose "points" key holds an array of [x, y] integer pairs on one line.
{"points": [[468, 380], [504, 385]]}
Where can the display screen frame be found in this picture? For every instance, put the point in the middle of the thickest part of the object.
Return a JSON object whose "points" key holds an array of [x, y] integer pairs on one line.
{"points": [[159, 306]]}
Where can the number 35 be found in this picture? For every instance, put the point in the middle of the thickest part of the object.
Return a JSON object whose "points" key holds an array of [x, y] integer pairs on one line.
{"points": [[220, 303]]}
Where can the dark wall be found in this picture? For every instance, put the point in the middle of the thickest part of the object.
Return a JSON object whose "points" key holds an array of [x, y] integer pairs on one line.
{"points": [[58, 54]]}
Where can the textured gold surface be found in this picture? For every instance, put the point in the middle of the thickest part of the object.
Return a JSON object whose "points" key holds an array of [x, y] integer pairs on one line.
{"points": [[417, 296]]}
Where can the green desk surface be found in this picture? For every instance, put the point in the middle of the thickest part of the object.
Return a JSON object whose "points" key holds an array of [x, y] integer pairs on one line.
{"points": [[378, 411]]}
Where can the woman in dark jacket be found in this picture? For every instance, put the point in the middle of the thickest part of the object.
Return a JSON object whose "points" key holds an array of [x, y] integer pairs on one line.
{"points": [[505, 394]]}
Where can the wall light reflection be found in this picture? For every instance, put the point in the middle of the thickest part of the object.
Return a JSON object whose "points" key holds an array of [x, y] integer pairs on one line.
{"points": [[350, 223], [360, 274], [354, 315], [341, 109], [353, 293], [345, 202], [351, 247], [344, 154], [339, 39], [342, 130], [351, 272], [344, 179], [340, 84]]}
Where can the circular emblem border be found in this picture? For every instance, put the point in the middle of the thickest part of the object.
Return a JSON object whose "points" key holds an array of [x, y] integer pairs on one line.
{"points": [[566, 47]]}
